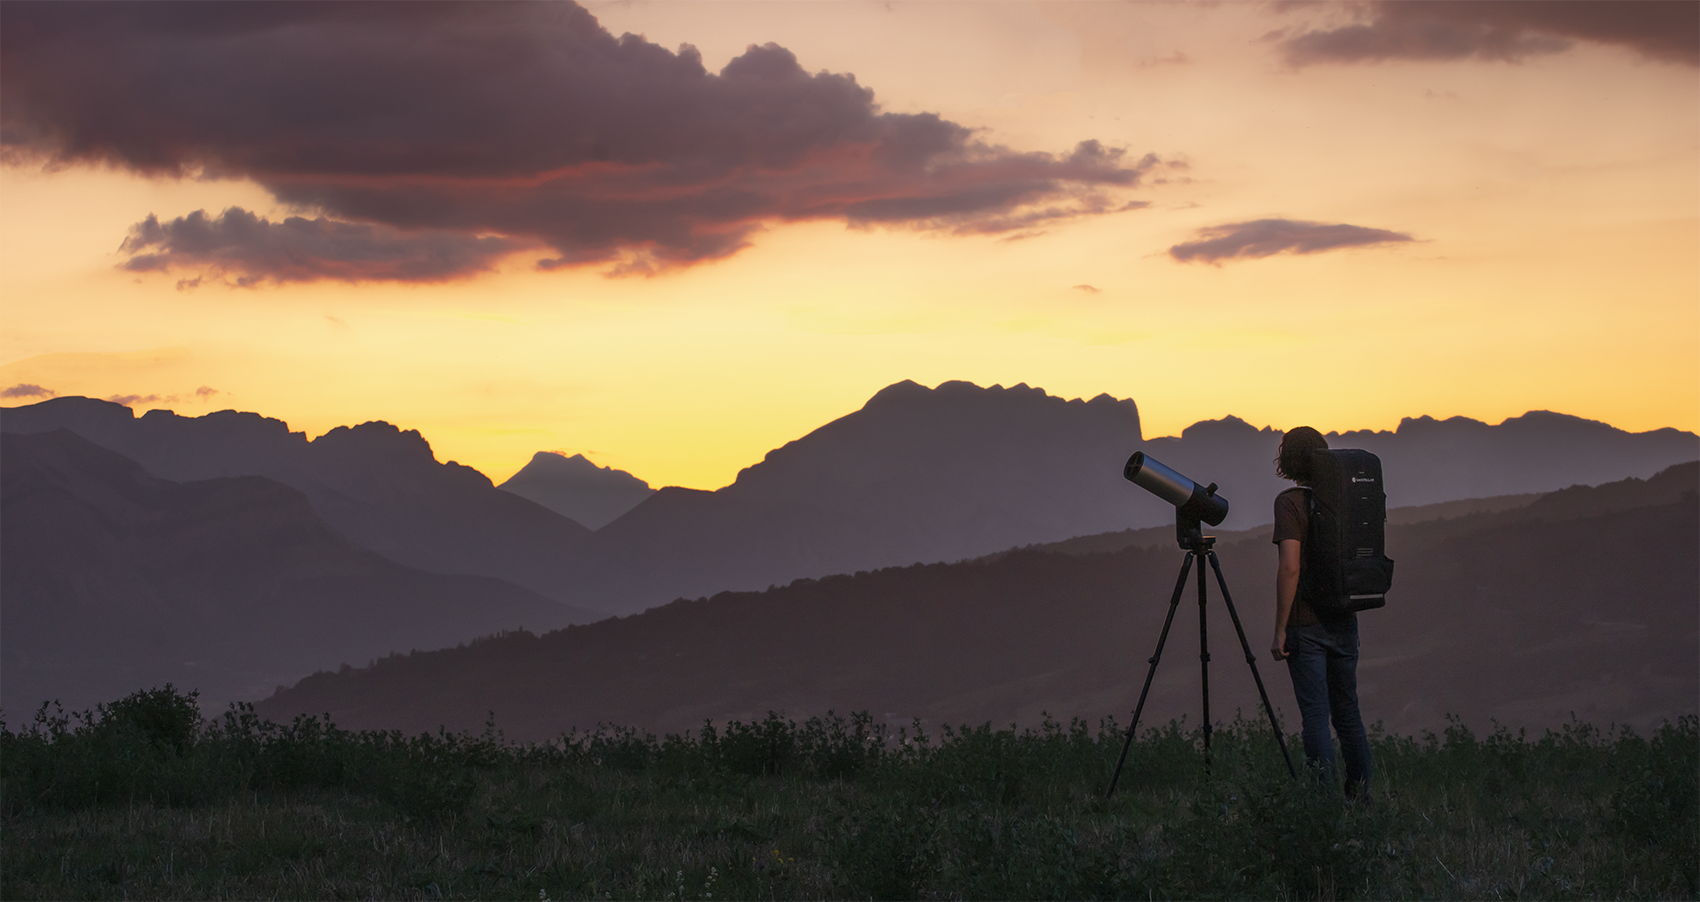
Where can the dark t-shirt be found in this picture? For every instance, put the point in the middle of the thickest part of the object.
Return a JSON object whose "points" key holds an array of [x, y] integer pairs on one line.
{"points": [[1292, 520]]}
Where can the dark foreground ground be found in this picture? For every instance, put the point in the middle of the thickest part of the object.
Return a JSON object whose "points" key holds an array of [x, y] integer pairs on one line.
{"points": [[142, 800]]}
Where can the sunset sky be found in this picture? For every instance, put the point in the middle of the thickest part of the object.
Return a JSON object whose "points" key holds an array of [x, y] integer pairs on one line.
{"points": [[512, 229]]}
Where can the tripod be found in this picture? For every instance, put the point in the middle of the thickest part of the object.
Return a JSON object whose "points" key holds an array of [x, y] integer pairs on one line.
{"points": [[1199, 546]]}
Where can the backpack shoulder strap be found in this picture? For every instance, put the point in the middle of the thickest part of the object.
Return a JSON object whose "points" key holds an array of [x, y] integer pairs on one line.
{"points": [[1310, 496]]}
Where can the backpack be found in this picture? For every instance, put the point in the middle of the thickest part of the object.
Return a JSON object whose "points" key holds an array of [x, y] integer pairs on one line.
{"points": [[1345, 568]]}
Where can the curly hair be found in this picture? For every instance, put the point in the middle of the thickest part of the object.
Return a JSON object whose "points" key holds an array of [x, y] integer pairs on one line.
{"points": [[1293, 462]]}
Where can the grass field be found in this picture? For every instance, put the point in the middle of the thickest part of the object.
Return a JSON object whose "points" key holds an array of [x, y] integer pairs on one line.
{"points": [[140, 799]]}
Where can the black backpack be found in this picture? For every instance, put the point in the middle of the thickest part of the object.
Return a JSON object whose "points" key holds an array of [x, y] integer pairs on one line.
{"points": [[1345, 567]]}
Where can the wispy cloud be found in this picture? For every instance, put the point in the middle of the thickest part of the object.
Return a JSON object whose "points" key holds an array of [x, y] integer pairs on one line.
{"points": [[1267, 237], [257, 250], [1500, 30], [425, 139], [27, 390]]}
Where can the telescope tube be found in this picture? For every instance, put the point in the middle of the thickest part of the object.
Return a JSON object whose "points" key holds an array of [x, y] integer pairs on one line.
{"points": [[1191, 500]]}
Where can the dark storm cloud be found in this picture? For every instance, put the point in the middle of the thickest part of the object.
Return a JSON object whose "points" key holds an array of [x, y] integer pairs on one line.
{"points": [[26, 390], [1504, 30], [524, 120], [1267, 237], [256, 249]]}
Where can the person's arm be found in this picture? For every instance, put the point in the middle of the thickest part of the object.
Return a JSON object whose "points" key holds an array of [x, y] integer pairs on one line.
{"points": [[1286, 589]]}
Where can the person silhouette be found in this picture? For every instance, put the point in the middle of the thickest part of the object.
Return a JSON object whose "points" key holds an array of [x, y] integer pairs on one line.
{"points": [[1321, 652]]}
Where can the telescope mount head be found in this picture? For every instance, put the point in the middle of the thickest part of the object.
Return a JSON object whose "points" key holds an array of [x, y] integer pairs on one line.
{"points": [[1189, 525]]}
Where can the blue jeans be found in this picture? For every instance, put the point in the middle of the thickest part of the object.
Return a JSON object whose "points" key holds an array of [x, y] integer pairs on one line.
{"points": [[1322, 659]]}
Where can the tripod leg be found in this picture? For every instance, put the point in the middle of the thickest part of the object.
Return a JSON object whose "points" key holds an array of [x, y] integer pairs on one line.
{"points": [[1174, 602], [1204, 654], [1250, 659]]}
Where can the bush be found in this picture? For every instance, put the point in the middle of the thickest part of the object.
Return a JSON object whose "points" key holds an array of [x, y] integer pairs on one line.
{"points": [[1656, 804], [141, 798]]}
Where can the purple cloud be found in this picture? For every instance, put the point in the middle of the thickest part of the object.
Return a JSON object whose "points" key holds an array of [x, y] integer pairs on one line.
{"points": [[416, 131], [302, 250], [1502, 30], [1267, 237], [27, 390], [127, 400]]}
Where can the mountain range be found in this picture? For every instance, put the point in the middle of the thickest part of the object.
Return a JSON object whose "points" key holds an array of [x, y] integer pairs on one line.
{"points": [[378, 486], [1580, 603], [915, 475], [958, 471], [115, 580]]}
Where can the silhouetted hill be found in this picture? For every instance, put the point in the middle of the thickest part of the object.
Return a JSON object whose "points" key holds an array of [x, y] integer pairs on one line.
{"points": [[1586, 601], [114, 580], [577, 489], [377, 485]]}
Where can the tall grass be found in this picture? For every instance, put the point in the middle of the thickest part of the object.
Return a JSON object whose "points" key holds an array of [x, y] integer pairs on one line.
{"points": [[139, 798]]}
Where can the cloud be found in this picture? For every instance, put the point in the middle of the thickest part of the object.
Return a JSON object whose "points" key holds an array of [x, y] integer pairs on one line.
{"points": [[206, 392], [127, 400], [1089, 289], [424, 139], [1267, 237], [27, 390], [302, 250], [1501, 30]]}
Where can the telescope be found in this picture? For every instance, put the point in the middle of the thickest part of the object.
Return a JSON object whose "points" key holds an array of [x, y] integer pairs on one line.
{"points": [[1194, 503]]}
